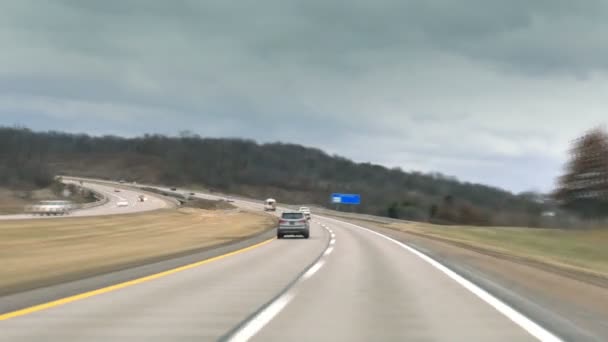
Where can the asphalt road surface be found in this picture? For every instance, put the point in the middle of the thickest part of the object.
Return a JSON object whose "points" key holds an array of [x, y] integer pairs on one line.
{"points": [[111, 207], [345, 283]]}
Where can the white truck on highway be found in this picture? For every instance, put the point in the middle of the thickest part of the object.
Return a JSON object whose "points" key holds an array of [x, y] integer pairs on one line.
{"points": [[51, 208], [270, 204]]}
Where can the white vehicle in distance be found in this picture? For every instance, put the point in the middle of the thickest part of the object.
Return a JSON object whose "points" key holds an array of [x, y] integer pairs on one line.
{"points": [[51, 208], [305, 211], [270, 205], [122, 203]]}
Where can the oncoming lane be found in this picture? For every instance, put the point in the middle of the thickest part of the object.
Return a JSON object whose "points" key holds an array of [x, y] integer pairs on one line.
{"points": [[111, 207], [127, 194]]}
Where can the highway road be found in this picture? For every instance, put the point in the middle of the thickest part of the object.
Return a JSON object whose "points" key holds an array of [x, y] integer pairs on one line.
{"points": [[110, 208], [345, 283]]}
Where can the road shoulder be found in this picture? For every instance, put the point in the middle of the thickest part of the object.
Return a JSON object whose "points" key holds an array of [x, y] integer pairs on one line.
{"points": [[571, 308]]}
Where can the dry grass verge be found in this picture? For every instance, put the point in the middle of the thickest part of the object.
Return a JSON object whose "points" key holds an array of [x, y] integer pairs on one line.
{"points": [[11, 205], [576, 250], [38, 251]]}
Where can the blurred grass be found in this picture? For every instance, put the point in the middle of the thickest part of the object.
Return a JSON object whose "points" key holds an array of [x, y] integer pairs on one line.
{"points": [[583, 250], [13, 201], [9, 203], [34, 252]]}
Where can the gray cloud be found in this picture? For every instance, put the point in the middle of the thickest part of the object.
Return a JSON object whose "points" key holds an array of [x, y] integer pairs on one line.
{"points": [[470, 88]]}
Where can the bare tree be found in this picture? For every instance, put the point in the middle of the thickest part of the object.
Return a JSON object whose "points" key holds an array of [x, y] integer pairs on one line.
{"points": [[584, 186]]}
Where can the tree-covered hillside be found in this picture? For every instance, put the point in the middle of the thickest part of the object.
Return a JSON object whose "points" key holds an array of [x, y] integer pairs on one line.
{"points": [[291, 173]]}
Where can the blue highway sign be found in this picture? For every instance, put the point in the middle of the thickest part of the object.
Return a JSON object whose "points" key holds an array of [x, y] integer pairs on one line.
{"points": [[345, 198]]}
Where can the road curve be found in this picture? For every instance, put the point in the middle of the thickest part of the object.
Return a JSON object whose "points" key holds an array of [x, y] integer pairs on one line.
{"points": [[370, 289], [343, 284], [110, 208]]}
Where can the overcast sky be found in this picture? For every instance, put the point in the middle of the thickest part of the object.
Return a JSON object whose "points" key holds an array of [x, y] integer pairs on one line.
{"points": [[487, 91]]}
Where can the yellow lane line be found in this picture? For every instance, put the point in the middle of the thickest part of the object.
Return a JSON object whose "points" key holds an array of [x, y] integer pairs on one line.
{"points": [[107, 289]]}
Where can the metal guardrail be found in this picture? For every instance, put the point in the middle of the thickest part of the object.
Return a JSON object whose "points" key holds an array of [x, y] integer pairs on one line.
{"points": [[100, 202], [169, 196], [354, 216], [314, 208]]}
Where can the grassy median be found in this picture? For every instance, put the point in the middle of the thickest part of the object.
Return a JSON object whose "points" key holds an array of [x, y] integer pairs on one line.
{"points": [[36, 252], [581, 250]]}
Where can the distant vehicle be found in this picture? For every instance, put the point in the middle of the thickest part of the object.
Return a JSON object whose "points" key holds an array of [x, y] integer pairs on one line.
{"points": [[141, 198], [122, 181], [173, 189], [192, 194], [229, 199], [293, 223], [270, 204], [122, 203], [51, 208], [305, 211], [116, 190]]}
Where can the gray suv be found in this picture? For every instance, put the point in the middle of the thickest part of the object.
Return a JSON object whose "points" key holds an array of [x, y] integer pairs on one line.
{"points": [[293, 223]]}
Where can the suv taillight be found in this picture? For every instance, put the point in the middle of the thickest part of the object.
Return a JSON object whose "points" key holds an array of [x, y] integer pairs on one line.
{"points": [[283, 221]]}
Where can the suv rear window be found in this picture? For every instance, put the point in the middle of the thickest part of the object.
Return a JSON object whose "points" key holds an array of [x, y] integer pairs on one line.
{"points": [[292, 216]]}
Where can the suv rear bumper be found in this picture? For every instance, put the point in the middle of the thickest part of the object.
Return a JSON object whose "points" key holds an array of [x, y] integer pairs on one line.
{"points": [[293, 230]]}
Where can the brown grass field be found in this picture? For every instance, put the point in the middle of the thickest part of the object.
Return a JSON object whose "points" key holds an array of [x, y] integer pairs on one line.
{"points": [[37, 251], [578, 250]]}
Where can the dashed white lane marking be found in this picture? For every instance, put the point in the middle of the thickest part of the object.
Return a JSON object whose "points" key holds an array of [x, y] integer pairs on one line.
{"points": [[259, 321], [524, 322], [311, 271]]}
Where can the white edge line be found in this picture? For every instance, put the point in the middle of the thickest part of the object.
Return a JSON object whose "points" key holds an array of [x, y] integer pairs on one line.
{"points": [[524, 322], [259, 321]]}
